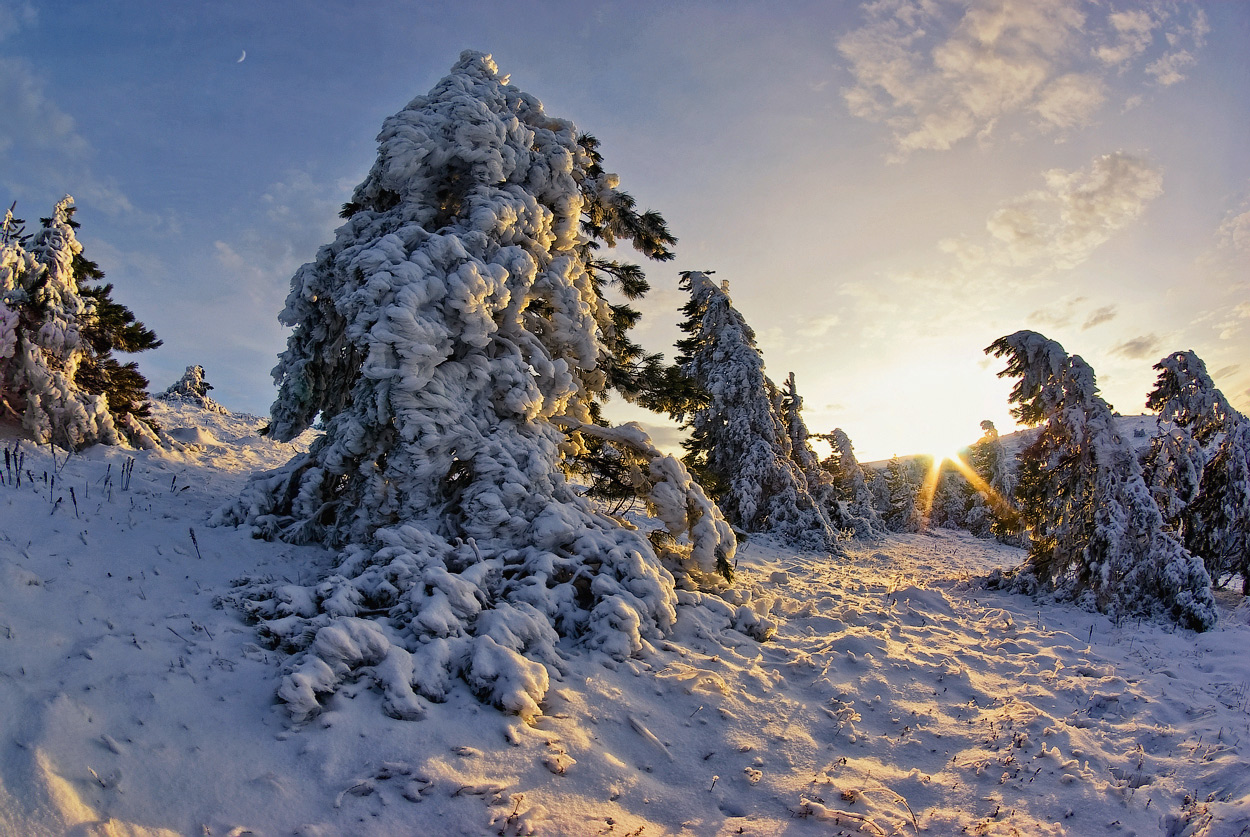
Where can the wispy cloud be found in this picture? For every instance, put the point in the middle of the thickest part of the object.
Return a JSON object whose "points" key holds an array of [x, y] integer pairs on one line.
{"points": [[1105, 314], [1137, 348], [49, 142], [939, 72], [1060, 225], [16, 16]]}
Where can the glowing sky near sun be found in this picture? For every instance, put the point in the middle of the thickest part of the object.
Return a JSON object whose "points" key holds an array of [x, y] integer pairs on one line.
{"points": [[887, 187]]}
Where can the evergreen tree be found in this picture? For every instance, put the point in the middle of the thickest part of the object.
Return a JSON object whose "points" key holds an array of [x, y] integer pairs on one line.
{"points": [[851, 487], [904, 479], [1217, 522], [1199, 466], [59, 334], [739, 446], [1096, 533], [991, 511], [452, 341], [192, 388]]}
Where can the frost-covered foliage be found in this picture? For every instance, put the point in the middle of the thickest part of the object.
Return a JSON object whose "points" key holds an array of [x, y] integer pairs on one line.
{"points": [[696, 539], [992, 511], [1096, 534], [739, 444], [1218, 520], [1185, 396], [850, 486], [192, 388], [57, 334], [904, 480], [444, 338], [1199, 466], [820, 483]]}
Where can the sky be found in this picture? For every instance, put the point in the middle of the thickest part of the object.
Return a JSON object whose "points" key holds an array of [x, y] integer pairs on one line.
{"points": [[887, 187]]}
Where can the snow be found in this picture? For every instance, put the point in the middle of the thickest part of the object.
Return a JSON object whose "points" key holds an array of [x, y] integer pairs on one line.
{"points": [[895, 694]]}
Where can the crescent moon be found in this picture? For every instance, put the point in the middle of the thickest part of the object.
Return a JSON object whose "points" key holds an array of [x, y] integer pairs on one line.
{"points": [[241, 57]]}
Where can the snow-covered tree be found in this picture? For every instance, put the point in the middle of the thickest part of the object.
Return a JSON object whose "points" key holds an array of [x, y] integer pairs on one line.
{"points": [[192, 388], [851, 486], [991, 511], [739, 445], [57, 337], [1096, 534], [1198, 466], [820, 483], [1217, 522], [447, 339], [904, 479], [1185, 396]]}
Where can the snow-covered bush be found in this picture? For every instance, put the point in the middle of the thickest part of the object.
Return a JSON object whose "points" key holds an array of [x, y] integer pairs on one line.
{"points": [[740, 447], [1096, 534], [444, 339], [192, 388], [57, 335]]}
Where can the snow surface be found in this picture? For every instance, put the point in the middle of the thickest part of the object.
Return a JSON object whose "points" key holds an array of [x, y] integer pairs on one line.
{"points": [[897, 695]]}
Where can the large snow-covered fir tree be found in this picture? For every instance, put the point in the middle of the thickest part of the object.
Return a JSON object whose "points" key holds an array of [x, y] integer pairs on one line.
{"points": [[739, 445], [1198, 466], [57, 337], [452, 342], [1096, 534]]}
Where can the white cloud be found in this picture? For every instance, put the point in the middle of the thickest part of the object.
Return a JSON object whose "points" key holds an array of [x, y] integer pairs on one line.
{"points": [[1097, 202], [1234, 232], [1167, 70], [937, 72], [15, 16], [1234, 321], [1134, 30], [36, 136], [1060, 226]]}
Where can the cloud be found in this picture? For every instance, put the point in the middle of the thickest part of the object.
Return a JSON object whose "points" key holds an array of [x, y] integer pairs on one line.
{"points": [[1060, 226], [38, 138], [818, 326], [1226, 371], [1234, 231], [1133, 32], [1105, 314], [938, 72], [1137, 348], [1167, 70], [16, 16], [1234, 320], [1059, 315]]}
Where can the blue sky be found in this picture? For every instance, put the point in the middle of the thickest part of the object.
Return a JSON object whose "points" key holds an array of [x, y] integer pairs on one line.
{"points": [[888, 187]]}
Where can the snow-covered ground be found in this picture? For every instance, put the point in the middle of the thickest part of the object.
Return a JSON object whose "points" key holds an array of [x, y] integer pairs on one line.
{"points": [[897, 696]]}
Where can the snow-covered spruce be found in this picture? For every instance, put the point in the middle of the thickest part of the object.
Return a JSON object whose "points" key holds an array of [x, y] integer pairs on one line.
{"points": [[444, 338], [992, 510], [1199, 466], [1096, 534], [57, 373], [192, 388], [739, 444], [850, 486]]}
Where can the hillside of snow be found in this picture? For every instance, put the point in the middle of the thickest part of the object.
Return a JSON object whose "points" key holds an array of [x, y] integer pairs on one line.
{"points": [[897, 695]]}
